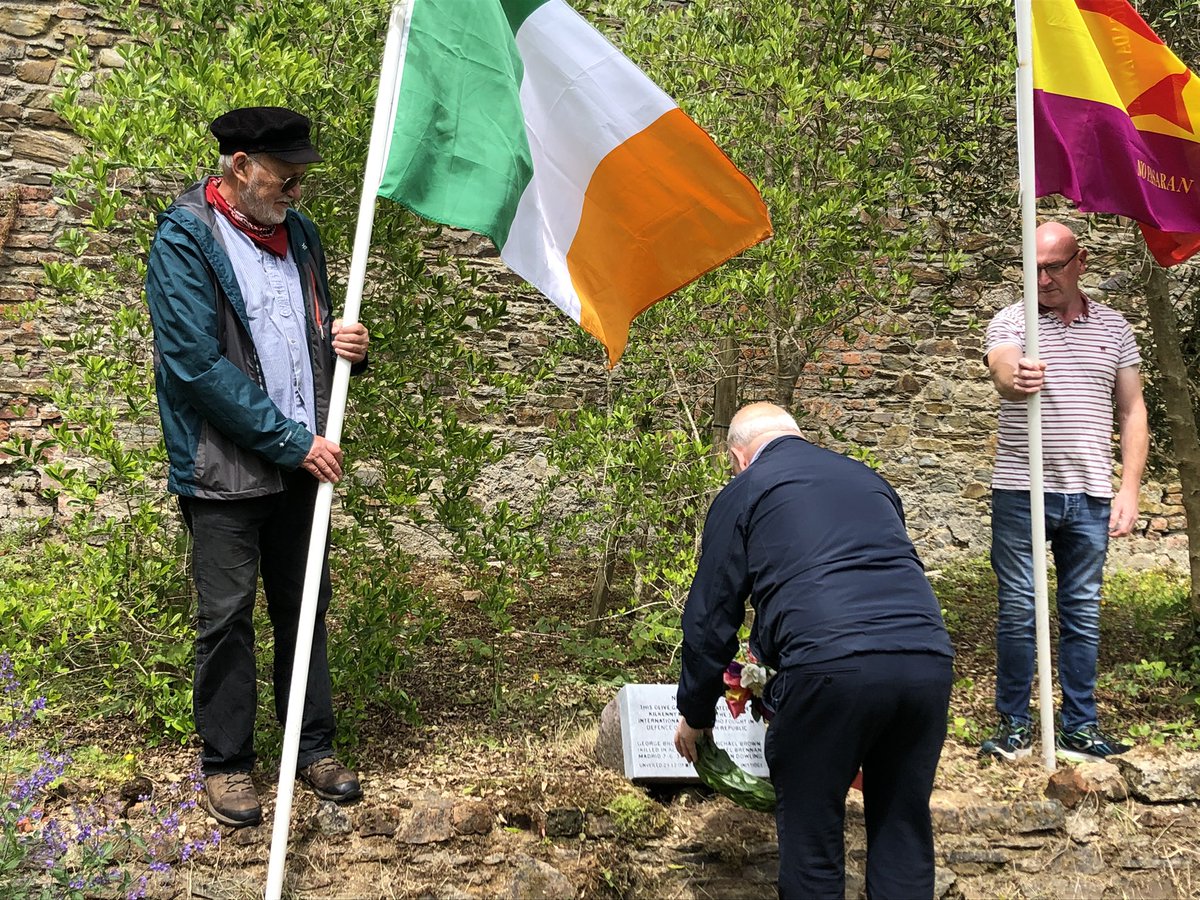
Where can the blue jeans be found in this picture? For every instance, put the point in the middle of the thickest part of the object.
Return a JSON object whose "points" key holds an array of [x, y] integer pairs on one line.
{"points": [[1077, 528]]}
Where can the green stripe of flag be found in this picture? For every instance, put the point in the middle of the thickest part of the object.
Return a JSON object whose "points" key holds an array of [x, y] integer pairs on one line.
{"points": [[458, 152], [518, 11]]}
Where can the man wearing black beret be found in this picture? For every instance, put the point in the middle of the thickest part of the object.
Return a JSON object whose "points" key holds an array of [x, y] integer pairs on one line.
{"points": [[245, 349]]}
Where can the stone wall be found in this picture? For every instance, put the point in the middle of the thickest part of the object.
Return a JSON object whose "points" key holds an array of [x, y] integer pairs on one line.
{"points": [[35, 39], [912, 391]]}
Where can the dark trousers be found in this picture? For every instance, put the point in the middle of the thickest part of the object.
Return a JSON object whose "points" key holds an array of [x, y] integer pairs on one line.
{"points": [[886, 714], [232, 541]]}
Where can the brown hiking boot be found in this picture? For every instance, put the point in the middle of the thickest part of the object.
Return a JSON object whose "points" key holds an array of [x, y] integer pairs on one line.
{"points": [[330, 780], [231, 799]]}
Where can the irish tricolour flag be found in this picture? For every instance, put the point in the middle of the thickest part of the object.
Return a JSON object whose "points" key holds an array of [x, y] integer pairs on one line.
{"points": [[517, 119]]}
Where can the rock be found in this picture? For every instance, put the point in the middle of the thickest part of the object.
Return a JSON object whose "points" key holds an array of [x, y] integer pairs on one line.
{"points": [[962, 813], [1142, 886], [471, 817], [382, 821], [372, 850], [110, 59], [943, 880], [609, 750], [1161, 776], [1071, 784], [599, 826], [46, 147], [1140, 858], [330, 819], [1161, 817], [1061, 887], [536, 880], [1085, 860], [1105, 779], [247, 837], [1082, 825], [428, 823], [24, 22], [563, 821], [975, 860], [36, 71]]}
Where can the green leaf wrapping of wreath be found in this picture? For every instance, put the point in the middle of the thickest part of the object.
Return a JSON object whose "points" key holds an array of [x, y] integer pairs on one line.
{"points": [[724, 776]]}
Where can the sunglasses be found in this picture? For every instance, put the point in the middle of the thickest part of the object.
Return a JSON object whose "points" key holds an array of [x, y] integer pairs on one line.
{"points": [[1053, 269], [285, 184]]}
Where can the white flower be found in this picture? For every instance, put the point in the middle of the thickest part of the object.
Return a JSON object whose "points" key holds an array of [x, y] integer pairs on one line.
{"points": [[754, 677]]}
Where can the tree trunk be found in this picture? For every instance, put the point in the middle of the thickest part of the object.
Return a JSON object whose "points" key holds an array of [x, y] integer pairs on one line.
{"points": [[601, 587], [725, 395], [1177, 397]]}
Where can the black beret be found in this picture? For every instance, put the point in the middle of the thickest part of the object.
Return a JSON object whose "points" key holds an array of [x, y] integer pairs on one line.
{"points": [[265, 129]]}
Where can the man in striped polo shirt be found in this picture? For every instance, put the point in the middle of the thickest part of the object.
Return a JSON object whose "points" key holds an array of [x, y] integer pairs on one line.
{"points": [[1088, 363]]}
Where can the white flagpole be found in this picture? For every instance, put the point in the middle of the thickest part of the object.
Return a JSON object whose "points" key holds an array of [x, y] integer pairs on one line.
{"points": [[1037, 498], [389, 85]]}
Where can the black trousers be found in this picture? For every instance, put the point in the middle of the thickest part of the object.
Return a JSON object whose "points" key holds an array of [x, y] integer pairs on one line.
{"points": [[886, 714], [232, 541]]}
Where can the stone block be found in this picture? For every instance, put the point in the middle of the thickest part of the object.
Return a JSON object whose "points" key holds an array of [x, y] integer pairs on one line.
{"points": [[45, 118], [471, 817], [109, 58], [24, 21], [1158, 775], [1071, 784], [36, 71], [378, 822], [51, 148], [536, 880], [563, 821], [427, 823]]}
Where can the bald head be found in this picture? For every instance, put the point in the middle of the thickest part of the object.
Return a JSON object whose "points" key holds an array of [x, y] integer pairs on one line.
{"points": [[1055, 237], [753, 426], [1060, 262]]}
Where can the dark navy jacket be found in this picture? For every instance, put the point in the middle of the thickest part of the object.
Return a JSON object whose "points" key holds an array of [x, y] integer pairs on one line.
{"points": [[817, 543]]}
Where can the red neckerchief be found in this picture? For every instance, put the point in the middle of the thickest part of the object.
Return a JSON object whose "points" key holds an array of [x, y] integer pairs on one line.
{"points": [[272, 238]]}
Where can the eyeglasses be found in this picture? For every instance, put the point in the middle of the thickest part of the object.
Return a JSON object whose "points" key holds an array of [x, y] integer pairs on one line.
{"points": [[1053, 269], [285, 184]]}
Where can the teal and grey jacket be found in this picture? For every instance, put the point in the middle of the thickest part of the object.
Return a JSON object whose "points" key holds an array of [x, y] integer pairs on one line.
{"points": [[225, 438]]}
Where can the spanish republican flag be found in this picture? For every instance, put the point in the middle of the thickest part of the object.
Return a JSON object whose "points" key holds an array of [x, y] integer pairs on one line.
{"points": [[518, 120], [1117, 121]]}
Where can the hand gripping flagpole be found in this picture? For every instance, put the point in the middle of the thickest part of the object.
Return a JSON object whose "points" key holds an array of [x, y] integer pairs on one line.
{"points": [[1037, 497], [389, 84]]}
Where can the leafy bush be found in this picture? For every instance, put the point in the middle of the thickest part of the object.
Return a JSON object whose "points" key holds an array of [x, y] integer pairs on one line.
{"points": [[107, 626]]}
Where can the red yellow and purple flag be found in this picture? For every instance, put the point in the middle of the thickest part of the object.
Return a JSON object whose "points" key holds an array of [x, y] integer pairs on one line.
{"points": [[1117, 121]]}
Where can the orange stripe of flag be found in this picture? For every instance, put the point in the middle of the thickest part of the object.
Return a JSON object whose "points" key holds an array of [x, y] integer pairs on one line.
{"points": [[661, 209]]}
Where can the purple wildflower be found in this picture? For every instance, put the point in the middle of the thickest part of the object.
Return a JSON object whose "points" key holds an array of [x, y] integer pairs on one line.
{"points": [[43, 776]]}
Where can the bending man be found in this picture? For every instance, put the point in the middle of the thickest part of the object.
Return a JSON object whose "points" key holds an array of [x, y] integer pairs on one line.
{"points": [[844, 613]]}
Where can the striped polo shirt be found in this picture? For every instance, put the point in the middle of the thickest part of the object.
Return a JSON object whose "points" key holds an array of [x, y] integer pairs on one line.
{"points": [[1077, 399]]}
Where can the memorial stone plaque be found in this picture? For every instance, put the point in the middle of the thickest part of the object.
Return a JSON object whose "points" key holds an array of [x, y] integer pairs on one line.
{"points": [[648, 720]]}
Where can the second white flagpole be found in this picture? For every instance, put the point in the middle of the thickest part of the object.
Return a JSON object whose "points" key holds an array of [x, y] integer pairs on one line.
{"points": [[1037, 498], [381, 132]]}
